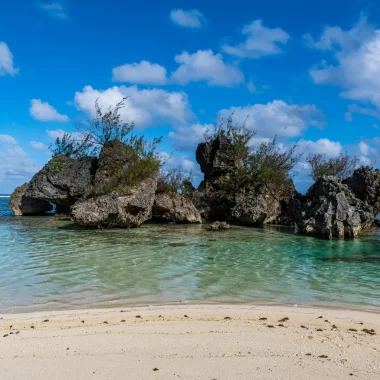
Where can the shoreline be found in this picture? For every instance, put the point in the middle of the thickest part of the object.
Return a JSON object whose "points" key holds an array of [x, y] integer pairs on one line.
{"points": [[191, 342], [106, 307]]}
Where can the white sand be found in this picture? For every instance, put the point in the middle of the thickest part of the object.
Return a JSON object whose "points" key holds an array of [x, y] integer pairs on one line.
{"points": [[203, 345]]}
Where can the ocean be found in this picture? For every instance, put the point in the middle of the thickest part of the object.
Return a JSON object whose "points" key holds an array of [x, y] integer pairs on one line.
{"points": [[47, 264]]}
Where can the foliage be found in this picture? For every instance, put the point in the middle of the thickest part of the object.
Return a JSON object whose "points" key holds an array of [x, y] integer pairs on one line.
{"points": [[107, 126], [341, 167], [173, 179], [266, 164], [239, 135], [68, 146]]}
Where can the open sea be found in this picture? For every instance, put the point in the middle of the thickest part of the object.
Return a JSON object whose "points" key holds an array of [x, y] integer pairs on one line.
{"points": [[49, 264]]}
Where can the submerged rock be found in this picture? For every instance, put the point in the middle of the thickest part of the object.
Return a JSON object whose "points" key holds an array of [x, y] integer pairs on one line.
{"points": [[23, 205], [63, 181], [129, 209], [174, 207], [219, 226], [330, 209], [355, 259]]}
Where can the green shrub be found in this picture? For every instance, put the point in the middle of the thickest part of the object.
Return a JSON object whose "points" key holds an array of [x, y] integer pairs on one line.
{"points": [[341, 167]]}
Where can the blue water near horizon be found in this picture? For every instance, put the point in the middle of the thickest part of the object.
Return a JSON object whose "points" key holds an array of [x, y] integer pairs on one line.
{"points": [[48, 264]]}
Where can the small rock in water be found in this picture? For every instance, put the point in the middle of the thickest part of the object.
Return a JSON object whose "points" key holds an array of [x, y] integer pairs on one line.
{"points": [[219, 226]]}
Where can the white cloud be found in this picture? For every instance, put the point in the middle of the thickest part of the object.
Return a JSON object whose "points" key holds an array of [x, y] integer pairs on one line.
{"points": [[204, 65], [16, 167], [357, 53], [186, 138], [54, 8], [7, 66], [35, 145], [43, 111], [147, 108], [187, 19], [143, 72], [259, 41], [276, 118], [327, 147], [7, 140]]}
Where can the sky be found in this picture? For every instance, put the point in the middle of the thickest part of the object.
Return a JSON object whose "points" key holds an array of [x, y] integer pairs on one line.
{"points": [[301, 70]]}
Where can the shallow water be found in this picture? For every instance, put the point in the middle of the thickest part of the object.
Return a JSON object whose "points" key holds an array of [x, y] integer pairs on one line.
{"points": [[46, 264]]}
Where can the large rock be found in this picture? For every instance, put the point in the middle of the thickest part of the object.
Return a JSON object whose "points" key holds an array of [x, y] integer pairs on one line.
{"points": [[365, 184], [127, 210], [23, 205], [219, 160], [174, 207], [217, 156], [63, 181], [330, 209]]}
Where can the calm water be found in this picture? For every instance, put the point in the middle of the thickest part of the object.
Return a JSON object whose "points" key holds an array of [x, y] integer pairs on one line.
{"points": [[48, 264]]}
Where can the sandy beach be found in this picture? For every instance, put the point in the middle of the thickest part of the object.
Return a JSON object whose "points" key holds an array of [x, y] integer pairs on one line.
{"points": [[191, 342]]}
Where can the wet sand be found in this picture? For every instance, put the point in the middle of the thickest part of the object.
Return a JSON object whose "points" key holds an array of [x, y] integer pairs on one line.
{"points": [[222, 342]]}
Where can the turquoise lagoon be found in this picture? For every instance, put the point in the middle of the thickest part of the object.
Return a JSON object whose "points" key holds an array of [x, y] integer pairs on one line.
{"points": [[48, 264]]}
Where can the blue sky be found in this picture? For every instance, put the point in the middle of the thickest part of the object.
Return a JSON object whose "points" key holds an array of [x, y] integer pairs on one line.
{"points": [[307, 70]]}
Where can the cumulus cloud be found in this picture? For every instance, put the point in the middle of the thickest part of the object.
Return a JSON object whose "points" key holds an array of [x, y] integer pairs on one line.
{"points": [[7, 140], [143, 72], [276, 118], [147, 108], [187, 18], [16, 167], [357, 53], [327, 147], [204, 65], [43, 111], [259, 41], [185, 138], [7, 65], [54, 9], [35, 145]]}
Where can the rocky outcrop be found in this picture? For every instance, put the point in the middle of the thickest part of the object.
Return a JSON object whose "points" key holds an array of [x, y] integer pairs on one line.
{"points": [[63, 181], [218, 161], [174, 207], [330, 209], [127, 210], [365, 184], [23, 205]]}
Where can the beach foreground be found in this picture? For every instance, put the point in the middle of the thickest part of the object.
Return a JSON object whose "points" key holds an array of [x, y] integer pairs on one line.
{"points": [[191, 342]]}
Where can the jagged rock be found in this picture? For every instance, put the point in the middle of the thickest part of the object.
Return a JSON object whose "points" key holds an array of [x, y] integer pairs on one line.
{"points": [[217, 156], [256, 209], [218, 160], [219, 226], [330, 209], [171, 206], [128, 210], [365, 184], [23, 205], [376, 223], [63, 181]]}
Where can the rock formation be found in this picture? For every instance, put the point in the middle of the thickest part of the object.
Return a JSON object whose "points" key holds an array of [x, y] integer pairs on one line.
{"points": [[174, 207], [63, 181], [23, 205], [218, 160], [330, 209], [129, 209]]}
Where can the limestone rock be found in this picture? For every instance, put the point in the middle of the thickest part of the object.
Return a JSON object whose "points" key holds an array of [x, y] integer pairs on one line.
{"points": [[172, 206], [330, 209], [63, 181], [113, 210], [23, 205]]}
